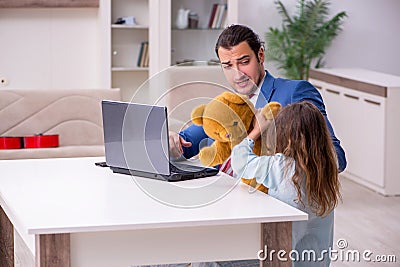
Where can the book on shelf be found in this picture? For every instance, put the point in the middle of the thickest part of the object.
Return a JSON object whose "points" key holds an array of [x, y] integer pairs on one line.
{"points": [[143, 57], [140, 55], [212, 15], [146, 57], [217, 16], [222, 21], [145, 51]]}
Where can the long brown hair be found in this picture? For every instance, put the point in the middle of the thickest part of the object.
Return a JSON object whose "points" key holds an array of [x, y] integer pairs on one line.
{"points": [[302, 135]]}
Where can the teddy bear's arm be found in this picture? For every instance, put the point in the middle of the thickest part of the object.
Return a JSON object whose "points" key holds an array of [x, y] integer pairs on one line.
{"points": [[215, 154], [253, 183]]}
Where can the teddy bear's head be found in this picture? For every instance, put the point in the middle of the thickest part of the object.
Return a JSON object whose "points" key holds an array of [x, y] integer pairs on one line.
{"points": [[226, 118]]}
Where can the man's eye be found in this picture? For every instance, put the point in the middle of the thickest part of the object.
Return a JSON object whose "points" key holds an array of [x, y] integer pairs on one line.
{"points": [[227, 67], [245, 62]]}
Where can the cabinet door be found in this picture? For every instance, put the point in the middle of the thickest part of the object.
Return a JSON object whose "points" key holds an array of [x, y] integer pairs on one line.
{"points": [[334, 109], [359, 121]]}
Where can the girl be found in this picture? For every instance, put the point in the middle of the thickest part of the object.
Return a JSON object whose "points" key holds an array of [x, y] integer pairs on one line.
{"points": [[303, 173]]}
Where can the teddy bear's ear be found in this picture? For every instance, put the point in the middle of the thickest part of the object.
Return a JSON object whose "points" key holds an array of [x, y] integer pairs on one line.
{"points": [[234, 98], [197, 115], [271, 110]]}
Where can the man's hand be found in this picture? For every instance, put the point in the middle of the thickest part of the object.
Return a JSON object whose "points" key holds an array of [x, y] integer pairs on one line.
{"points": [[260, 124], [176, 142]]}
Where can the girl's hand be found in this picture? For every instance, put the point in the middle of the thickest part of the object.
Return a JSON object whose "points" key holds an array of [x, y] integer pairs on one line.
{"points": [[260, 124]]}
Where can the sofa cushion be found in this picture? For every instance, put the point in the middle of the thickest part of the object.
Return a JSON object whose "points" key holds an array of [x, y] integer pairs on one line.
{"points": [[75, 115]]}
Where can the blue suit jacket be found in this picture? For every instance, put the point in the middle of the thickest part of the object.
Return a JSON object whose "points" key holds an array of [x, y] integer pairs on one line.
{"points": [[280, 90]]}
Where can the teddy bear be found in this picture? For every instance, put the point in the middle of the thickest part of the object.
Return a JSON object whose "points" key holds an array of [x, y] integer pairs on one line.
{"points": [[227, 119]]}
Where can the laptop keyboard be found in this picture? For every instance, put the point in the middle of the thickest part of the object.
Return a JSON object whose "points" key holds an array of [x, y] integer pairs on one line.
{"points": [[182, 168]]}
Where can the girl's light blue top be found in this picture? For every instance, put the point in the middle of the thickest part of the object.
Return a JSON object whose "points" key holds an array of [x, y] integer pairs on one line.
{"points": [[312, 240]]}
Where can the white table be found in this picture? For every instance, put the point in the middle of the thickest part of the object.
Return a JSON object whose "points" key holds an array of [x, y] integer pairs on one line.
{"points": [[70, 212]]}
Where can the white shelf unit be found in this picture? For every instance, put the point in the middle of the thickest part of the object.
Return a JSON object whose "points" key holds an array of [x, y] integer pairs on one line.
{"points": [[129, 69], [198, 44], [363, 107], [154, 19], [126, 45], [122, 26]]}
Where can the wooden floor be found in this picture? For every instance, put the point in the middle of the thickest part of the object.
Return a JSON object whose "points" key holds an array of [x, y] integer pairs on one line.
{"points": [[367, 221]]}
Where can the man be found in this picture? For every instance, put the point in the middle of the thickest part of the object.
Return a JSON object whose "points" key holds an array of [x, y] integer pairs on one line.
{"points": [[242, 55]]}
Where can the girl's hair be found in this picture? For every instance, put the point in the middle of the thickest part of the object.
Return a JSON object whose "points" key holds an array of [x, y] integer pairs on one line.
{"points": [[235, 34], [302, 135]]}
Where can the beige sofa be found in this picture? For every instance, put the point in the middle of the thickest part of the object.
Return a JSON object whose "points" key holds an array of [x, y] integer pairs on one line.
{"points": [[75, 115]]}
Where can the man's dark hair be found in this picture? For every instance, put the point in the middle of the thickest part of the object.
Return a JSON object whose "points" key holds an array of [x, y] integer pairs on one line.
{"points": [[235, 34]]}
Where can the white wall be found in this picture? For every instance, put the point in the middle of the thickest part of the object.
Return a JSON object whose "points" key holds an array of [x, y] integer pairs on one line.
{"points": [[50, 48], [64, 48], [370, 38]]}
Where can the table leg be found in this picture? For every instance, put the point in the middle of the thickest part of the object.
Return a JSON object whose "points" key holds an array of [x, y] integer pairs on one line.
{"points": [[53, 250], [6, 241], [276, 243]]}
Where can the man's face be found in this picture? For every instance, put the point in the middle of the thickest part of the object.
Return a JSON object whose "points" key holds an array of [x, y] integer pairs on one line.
{"points": [[241, 67]]}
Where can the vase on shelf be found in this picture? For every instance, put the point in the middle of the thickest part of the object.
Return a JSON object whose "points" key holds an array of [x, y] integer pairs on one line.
{"points": [[182, 18]]}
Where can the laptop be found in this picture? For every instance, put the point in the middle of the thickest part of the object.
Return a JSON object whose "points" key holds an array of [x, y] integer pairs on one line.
{"points": [[136, 143]]}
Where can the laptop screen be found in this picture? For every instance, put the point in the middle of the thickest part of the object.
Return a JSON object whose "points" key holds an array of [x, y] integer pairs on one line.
{"points": [[136, 136]]}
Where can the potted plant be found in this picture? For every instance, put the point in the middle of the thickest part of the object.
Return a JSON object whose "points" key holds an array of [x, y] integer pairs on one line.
{"points": [[304, 37]]}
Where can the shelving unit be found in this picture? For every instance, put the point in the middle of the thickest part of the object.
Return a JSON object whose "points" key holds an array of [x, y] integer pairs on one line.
{"points": [[184, 42], [125, 45], [198, 44], [48, 3], [121, 26], [155, 24], [129, 69]]}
